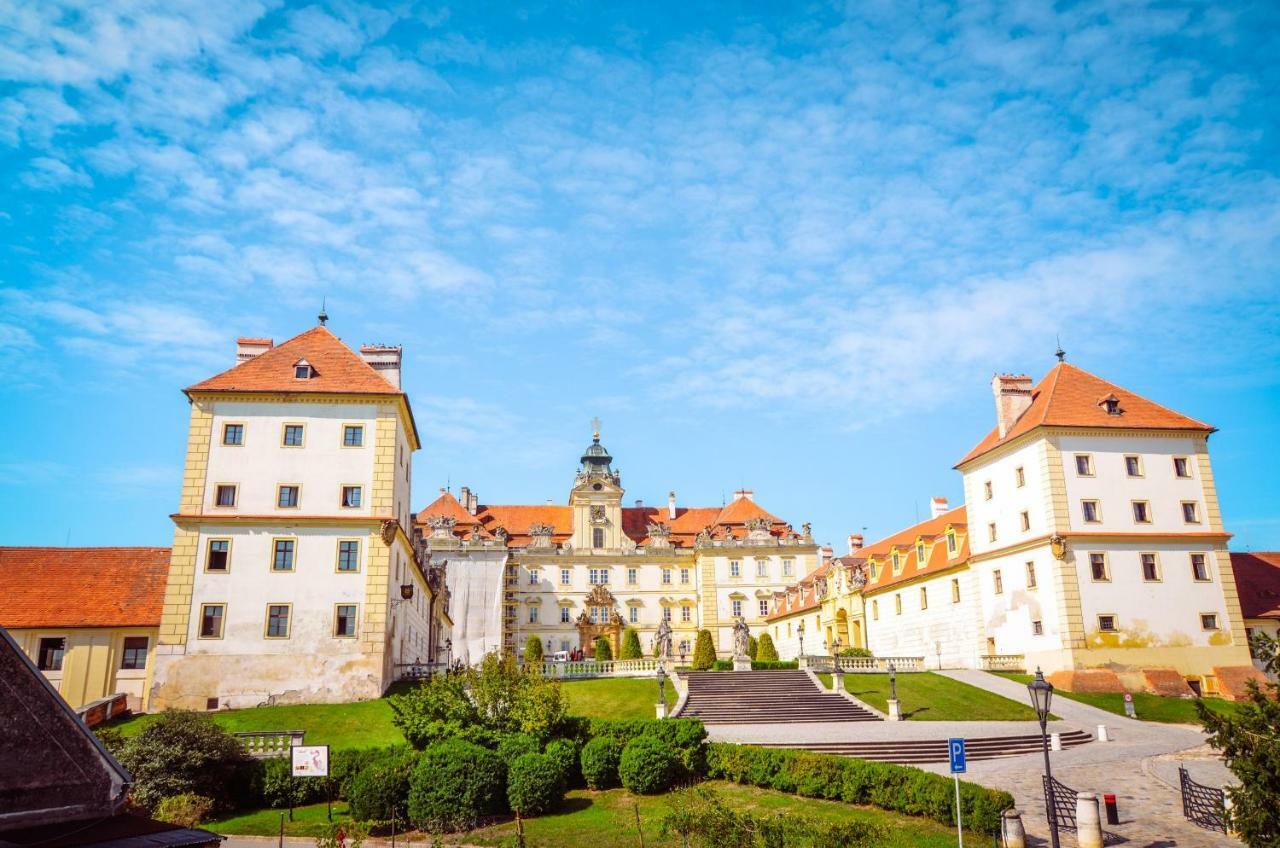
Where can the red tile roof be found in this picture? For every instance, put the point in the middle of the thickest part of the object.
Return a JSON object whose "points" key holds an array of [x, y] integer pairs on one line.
{"points": [[337, 369], [1258, 583], [933, 533], [449, 506], [82, 587], [1070, 397]]}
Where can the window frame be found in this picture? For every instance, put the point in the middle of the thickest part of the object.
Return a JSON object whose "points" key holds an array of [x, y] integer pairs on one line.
{"points": [[788, 566], [668, 577], [284, 432], [1106, 567], [337, 555], [61, 653], [1155, 561], [997, 581], [1033, 581], [762, 607], [1204, 561], [222, 619], [566, 577], [1195, 512], [1137, 458], [762, 567], [226, 426], [342, 495], [125, 649], [953, 544], [566, 616], [1088, 463], [1186, 464], [293, 555], [955, 590], [351, 426], [633, 614], [1037, 627], [1146, 508], [597, 538], [686, 614], [1019, 477], [217, 493], [924, 597], [297, 495], [735, 568], [355, 620], [633, 576], [1024, 519], [988, 491], [288, 619], [1115, 622], [208, 554], [992, 534], [1217, 623], [1084, 511], [533, 613], [897, 603], [685, 576]]}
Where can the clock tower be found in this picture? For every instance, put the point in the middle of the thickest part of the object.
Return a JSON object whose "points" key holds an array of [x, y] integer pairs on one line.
{"points": [[596, 500]]}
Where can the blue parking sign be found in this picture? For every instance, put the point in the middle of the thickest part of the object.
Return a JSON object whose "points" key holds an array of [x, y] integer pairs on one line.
{"points": [[955, 747]]}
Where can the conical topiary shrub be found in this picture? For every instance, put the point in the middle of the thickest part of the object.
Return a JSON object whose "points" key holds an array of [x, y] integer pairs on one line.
{"points": [[603, 651], [533, 650], [631, 646], [766, 652], [704, 652]]}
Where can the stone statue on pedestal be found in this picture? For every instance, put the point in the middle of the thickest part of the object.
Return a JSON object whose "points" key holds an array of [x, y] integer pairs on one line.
{"points": [[741, 638], [662, 641]]}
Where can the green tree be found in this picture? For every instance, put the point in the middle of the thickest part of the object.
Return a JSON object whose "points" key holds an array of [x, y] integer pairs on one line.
{"points": [[533, 650], [631, 646], [184, 753], [604, 652], [1250, 744], [704, 652], [766, 652]]}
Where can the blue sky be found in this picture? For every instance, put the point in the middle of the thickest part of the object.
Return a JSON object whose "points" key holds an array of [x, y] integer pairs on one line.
{"points": [[780, 251]]}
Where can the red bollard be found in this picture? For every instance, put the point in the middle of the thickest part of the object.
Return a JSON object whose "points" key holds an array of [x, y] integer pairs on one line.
{"points": [[1113, 812]]}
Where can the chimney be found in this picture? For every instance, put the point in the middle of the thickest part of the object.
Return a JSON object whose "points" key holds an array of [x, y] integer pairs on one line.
{"points": [[1013, 397], [671, 505], [464, 498], [639, 503], [855, 542], [247, 349], [937, 507], [744, 493], [385, 360], [473, 503]]}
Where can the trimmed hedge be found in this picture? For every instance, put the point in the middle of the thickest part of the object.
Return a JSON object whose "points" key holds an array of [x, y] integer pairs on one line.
{"points": [[766, 653], [565, 754], [687, 737], [515, 745], [380, 791], [600, 759], [455, 785], [648, 766], [704, 651], [631, 646], [900, 789], [604, 651], [533, 785]]}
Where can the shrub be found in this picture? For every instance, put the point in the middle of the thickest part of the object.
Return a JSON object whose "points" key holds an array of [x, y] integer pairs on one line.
{"points": [[855, 652], [753, 647], [727, 665], [184, 810], [455, 785], [183, 753], [515, 745], [704, 651], [565, 753], [604, 652], [631, 646], [766, 652], [600, 758], [533, 650], [901, 789], [686, 736], [281, 789], [347, 764], [380, 791], [648, 766], [534, 785]]}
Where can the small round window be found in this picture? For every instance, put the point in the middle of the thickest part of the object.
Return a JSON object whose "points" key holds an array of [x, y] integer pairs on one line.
{"points": [[597, 487]]}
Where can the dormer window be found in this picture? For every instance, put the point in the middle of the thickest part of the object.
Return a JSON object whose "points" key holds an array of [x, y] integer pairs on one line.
{"points": [[1111, 404], [920, 554], [302, 370], [952, 547]]}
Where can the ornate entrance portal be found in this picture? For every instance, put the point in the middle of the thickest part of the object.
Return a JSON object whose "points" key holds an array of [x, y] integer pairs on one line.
{"points": [[600, 618]]}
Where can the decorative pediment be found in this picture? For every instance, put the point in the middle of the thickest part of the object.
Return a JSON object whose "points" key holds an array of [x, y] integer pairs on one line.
{"points": [[441, 526], [820, 584], [857, 576], [659, 535], [541, 535], [703, 538], [600, 596]]}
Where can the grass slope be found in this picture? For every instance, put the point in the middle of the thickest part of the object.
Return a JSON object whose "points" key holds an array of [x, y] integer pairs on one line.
{"points": [[926, 696], [624, 697], [608, 820], [1148, 707]]}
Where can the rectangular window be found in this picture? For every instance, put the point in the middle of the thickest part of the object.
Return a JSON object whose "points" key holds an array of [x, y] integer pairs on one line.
{"points": [[211, 616], [1092, 515], [349, 555], [1107, 623], [955, 591], [1150, 568], [684, 576], [737, 608], [352, 497], [920, 558], [1133, 466], [287, 497], [787, 567], [686, 614], [565, 577], [1098, 567], [1037, 628], [233, 434], [282, 555], [292, 436], [52, 650], [534, 577], [344, 620], [987, 491], [666, 612], [633, 614], [219, 556], [1019, 477], [352, 435], [666, 577], [1208, 621], [897, 604], [991, 532], [1141, 512], [951, 542], [597, 537], [133, 656], [924, 598], [735, 568], [762, 568], [1084, 465], [633, 576], [225, 494], [1191, 512], [277, 621], [564, 615], [533, 615], [1031, 575], [1181, 468], [875, 611], [1026, 520], [1199, 568], [997, 580], [764, 608], [598, 576]]}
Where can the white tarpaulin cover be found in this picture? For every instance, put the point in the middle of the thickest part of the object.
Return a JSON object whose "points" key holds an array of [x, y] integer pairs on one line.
{"points": [[475, 604]]}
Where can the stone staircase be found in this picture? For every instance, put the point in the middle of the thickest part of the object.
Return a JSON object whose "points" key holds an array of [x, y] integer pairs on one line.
{"points": [[765, 697], [910, 752]]}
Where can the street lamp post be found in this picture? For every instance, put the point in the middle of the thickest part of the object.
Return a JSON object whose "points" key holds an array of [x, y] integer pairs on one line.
{"points": [[662, 688], [893, 682], [800, 633], [1041, 692]]}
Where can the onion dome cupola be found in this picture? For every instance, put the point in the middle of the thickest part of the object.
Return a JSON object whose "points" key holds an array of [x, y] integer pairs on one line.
{"points": [[596, 461]]}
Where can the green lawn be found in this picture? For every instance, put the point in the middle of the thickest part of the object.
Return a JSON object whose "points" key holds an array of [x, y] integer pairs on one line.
{"points": [[623, 697], [1148, 707], [926, 696], [607, 820]]}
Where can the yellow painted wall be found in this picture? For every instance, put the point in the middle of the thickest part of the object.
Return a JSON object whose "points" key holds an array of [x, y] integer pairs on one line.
{"points": [[91, 663]]}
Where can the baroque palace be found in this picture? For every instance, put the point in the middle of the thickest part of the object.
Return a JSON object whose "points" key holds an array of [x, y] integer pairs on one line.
{"points": [[1090, 543]]}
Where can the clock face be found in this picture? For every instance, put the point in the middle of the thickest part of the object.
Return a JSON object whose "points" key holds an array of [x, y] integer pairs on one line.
{"points": [[597, 513]]}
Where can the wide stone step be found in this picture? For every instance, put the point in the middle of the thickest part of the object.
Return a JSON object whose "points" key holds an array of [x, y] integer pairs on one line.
{"points": [[918, 751], [765, 697]]}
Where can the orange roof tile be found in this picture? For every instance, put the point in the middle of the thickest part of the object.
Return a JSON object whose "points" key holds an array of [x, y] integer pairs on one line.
{"points": [[338, 369], [1258, 583], [933, 532], [742, 509], [1070, 397], [448, 506], [82, 587]]}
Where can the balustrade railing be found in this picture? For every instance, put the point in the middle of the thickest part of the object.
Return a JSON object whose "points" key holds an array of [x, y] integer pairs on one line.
{"points": [[860, 665], [606, 668], [1002, 662], [265, 744]]}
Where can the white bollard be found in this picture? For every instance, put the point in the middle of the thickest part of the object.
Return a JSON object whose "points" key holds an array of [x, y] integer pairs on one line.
{"points": [[1055, 742], [1088, 824], [1011, 830], [1103, 736]]}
